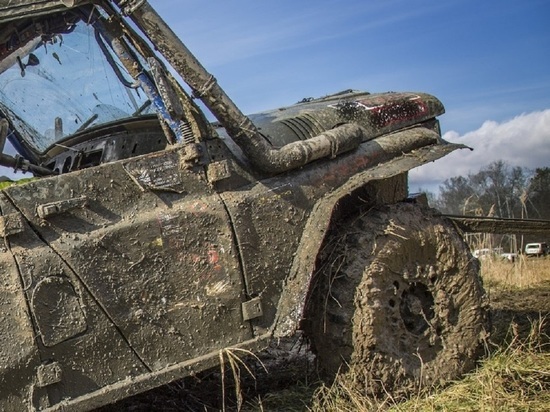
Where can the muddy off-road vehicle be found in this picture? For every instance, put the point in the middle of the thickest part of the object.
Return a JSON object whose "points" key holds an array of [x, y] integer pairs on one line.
{"points": [[152, 241]]}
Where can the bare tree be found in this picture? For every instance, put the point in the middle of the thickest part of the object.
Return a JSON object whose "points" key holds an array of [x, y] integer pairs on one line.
{"points": [[538, 194]]}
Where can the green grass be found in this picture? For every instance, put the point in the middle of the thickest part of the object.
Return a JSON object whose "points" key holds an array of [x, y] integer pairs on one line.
{"points": [[3, 185]]}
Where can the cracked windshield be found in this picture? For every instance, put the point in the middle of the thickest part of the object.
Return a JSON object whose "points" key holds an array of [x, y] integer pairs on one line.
{"points": [[60, 85]]}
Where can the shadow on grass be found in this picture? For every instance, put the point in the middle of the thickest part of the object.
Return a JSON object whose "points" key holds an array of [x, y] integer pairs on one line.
{"points": [[514, 311]]}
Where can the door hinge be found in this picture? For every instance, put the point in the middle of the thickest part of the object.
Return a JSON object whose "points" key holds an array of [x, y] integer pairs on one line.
{"points": [[252, 309]]}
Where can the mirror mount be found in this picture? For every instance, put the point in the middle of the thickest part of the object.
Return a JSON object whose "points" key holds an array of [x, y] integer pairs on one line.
{"points": [[31, 61]]}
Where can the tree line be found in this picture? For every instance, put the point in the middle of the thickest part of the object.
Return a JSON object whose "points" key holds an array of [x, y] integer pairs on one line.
{"points": [[497, 190]]}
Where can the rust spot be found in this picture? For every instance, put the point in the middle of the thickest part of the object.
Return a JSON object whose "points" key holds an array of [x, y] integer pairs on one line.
{"points": [[213, 256], [397, 112]]}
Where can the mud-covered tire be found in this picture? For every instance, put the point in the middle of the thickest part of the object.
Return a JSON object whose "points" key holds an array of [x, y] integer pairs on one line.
{"points": [[397, 302]]}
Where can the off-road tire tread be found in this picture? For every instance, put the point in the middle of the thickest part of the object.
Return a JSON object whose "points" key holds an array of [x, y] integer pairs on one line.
{"points": [[354, 333]]}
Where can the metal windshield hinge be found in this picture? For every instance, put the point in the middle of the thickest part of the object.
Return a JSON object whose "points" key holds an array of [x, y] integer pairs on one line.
{"points": [[129, 6]]}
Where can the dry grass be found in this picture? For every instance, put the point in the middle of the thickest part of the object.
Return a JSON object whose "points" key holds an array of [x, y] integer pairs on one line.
{"points": [[523, 273], [515, 376]]}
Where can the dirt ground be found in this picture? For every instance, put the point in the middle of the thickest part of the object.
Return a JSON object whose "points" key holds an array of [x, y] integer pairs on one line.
{"points": [[291, 369], [517, 309]]}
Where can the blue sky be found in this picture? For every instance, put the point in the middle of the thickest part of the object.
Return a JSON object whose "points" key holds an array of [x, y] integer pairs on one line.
{"points": [[488, 62]]}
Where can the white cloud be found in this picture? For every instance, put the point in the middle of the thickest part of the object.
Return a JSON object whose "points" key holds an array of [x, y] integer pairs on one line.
{"points": [[522, 141]]}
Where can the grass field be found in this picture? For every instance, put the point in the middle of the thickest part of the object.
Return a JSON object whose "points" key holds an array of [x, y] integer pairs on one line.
{"points": [[514, 376], [524, 273]]}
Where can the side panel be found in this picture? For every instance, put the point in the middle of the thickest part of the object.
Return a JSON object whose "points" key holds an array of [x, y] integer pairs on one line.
{"points": [[270, 217], [75, 348], [151, 244]]}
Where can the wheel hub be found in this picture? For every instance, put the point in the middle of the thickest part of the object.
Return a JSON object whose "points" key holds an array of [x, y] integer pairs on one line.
{"points": [[416, 308]]}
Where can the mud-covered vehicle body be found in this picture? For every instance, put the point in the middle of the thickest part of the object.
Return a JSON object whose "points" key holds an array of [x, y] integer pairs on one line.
{"points": [[152, 240]]}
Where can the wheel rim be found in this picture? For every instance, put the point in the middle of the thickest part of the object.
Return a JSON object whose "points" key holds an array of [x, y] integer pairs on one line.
{"points": [[416, 308]]}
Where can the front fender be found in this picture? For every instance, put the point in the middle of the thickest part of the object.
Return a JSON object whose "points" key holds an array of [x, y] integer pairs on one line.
{"points": [[280, 223], [383, 183]]}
